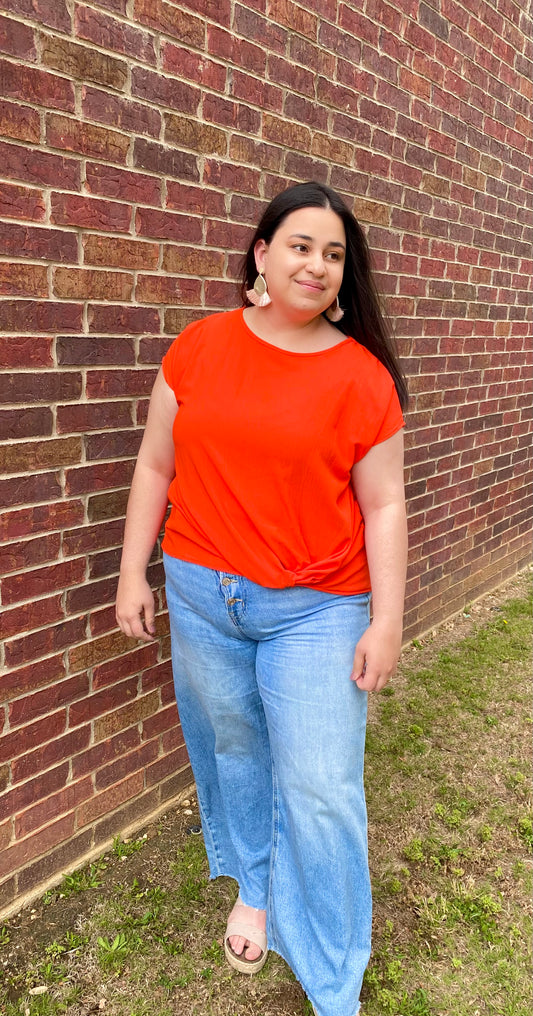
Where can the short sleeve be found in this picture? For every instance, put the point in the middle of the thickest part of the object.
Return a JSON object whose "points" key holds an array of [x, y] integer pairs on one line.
{"points": [[376, 410], [175, 361]]}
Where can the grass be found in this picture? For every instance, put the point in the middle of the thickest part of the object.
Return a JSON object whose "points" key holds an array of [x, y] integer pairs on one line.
{"points": [[139, 932]]}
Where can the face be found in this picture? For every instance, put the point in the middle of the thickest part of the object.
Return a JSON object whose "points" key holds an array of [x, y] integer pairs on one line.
{"points": [[304, 262]]}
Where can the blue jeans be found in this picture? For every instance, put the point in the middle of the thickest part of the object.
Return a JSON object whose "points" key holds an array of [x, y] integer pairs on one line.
{"points": [[275, 731]]}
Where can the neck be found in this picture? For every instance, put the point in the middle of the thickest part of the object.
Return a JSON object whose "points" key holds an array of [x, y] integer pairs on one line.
{"points": [[297, 335]]}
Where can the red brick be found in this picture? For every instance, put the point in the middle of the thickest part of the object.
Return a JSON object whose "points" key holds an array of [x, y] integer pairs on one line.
{"points": [[347, 48], [262, 30], [35, 242], [33, 705], [134, 662], [165, 91], [91, 213], [162, 720], [17, 39], [26, 850], [21, 203], [111, 252], [37, 644], [36, 86], [83, 63], [35, 762], [177, 24], [247, 88], [228, 235], [191, 261], [309, 54], [105, 563], [98, 476], [113, 444], [134, 762], [106, 506], [140, 807], [93, 416], [225, 113], [109, 33], [239, 52], [91, 595], [41, 814], [16, 556], [25, 794], [106, 384], [20, 742], [31, 615], [109, 800], [218, 293], [23, 280], [187, 132], [85, 539], [105, 751], [44, 317], [74, 135], [102, 702], [128, 715], [36, 455], [53, 13], [32, 584], [20, 122], [172, 739], [28, 489], [34, 351], [193, 67], [111, 182], [45, 386], [85, 284], [6, 834], [306, 111], [161, 289], [29, 521], [122, 320], [170, 763], [120, 112], [157, 676]]}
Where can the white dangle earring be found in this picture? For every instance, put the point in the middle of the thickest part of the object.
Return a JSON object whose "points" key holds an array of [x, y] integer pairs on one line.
{"points": [[259, 294], [335, 311]]}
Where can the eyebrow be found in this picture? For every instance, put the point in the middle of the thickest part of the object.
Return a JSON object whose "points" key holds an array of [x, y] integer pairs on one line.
{"points": [[303, 236]]}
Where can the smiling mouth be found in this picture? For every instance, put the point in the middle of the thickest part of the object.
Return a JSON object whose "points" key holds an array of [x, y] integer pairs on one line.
{"points": [[315, 286]]}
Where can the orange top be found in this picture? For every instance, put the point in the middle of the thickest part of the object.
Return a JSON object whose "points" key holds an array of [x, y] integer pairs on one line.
{"points": [[265, 440]]}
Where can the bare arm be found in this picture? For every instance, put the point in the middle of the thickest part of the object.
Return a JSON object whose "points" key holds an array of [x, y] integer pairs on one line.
{"points": [[146, 509], [379, 489]]}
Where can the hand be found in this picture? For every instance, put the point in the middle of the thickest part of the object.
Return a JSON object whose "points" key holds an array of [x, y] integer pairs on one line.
{"points": [[135, 610], [376, 656]]}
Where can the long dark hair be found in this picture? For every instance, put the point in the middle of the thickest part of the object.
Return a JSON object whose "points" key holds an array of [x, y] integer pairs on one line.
{"points": [[363, 317]]}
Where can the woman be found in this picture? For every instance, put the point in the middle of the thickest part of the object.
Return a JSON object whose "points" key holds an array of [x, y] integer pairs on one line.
{"points": [[276, 432]]}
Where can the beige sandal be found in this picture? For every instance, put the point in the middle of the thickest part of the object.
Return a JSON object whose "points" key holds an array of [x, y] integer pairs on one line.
{"points": [[252, 934]]}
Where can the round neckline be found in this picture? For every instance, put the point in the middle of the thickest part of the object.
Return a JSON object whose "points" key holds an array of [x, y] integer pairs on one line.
{"points": [[292, 352]]}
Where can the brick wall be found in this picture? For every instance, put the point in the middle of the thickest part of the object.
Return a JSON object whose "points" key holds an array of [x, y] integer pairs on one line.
{"points": [[140, 141]]}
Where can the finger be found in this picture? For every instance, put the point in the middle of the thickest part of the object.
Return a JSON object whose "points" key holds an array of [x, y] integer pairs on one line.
{"points": [[359, 665], [149, 617], [137, 629]]}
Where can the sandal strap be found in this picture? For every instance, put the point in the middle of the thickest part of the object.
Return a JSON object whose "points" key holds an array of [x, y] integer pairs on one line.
{"points": [[247, 931]]}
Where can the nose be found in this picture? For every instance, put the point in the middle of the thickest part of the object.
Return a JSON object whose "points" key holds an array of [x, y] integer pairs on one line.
{"points": [[315, 263]]}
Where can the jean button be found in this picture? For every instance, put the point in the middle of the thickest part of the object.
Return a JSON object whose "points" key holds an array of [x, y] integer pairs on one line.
{"points": [[231, 601], [226, 582]]}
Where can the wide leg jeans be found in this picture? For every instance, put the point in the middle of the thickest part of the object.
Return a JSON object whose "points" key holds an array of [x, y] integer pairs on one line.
{"points": [[275, 731]]}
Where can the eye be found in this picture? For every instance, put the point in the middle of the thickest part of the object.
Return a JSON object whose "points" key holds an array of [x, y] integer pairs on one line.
{"points": [[300, 247], [334, 255]]}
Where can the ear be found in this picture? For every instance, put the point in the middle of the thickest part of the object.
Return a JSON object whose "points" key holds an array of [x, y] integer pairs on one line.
{"points": [[260, 250]]}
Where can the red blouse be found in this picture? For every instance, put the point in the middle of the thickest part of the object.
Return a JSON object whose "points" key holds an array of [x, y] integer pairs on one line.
{"points": [[265, 441]]}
